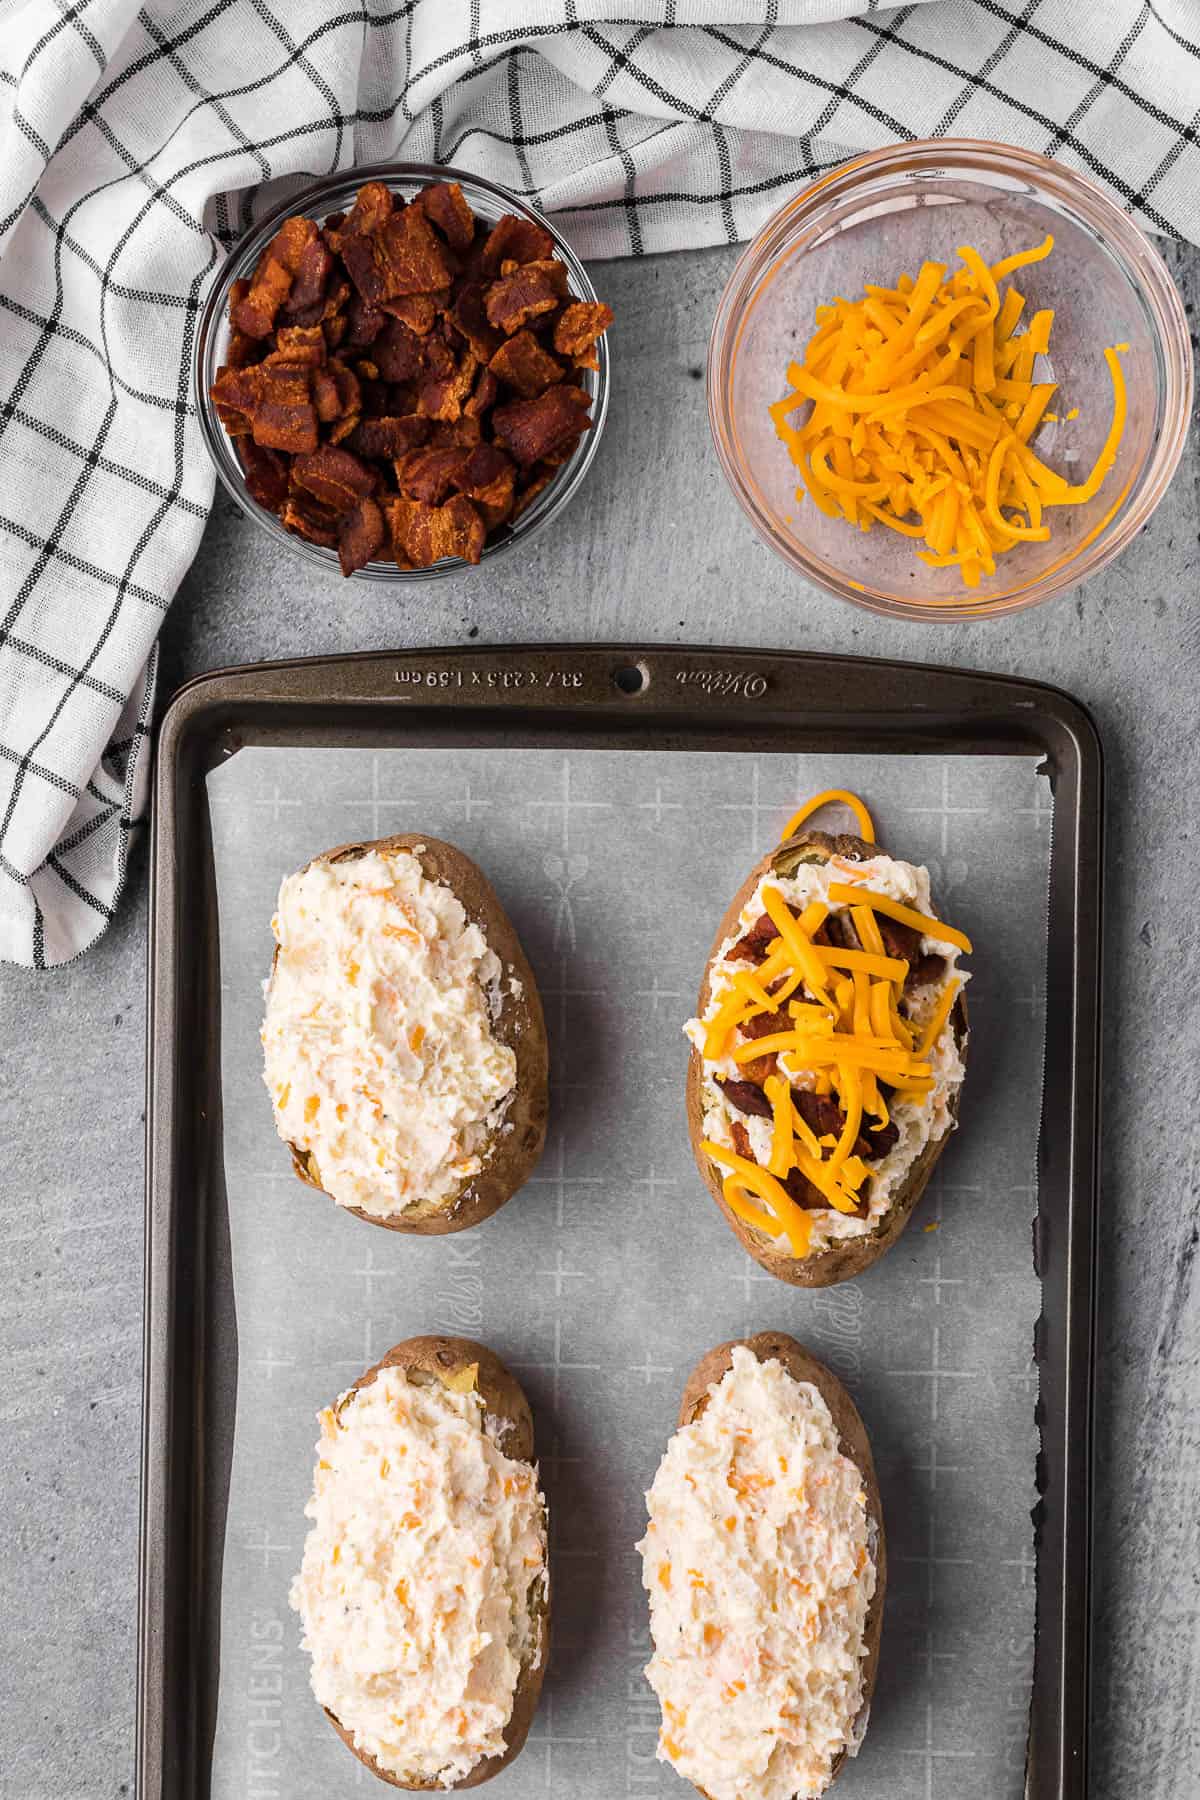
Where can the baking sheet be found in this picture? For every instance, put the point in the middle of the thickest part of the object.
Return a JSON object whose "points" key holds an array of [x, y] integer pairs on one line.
{"points": [[603, 1282]]}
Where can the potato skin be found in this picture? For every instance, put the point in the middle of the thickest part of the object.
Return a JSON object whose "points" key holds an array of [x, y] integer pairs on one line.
{"points": [[777, 1346], [516, 1151], [503, 1398], [841, 1261]]}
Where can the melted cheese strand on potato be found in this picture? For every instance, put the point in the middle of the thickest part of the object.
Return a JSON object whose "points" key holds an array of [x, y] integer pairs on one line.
{"points": [[379, 1050], [427, 1550], [759, 1563]]}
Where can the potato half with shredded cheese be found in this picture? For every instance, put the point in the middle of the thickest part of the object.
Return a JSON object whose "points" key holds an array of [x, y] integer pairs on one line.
{"points": [[922, 402], [828, 1051], [765, 1564], [404, 1045], [424, 1590]]}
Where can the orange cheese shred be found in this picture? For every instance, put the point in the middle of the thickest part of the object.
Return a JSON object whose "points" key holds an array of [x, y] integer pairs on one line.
{"points": [[901, 386]]}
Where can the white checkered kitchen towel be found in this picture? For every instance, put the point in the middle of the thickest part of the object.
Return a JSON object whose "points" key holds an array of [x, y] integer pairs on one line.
{"points": [[135, 142]]}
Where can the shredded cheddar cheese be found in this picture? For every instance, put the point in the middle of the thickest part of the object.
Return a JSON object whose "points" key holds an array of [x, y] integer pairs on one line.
{"points": [[923, 404], [842, 1036]]}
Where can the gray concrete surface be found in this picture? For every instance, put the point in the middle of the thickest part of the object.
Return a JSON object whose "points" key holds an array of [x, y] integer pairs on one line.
{"points": [[654, 548]]}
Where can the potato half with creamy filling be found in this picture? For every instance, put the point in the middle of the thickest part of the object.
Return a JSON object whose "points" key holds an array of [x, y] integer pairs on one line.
{"points": [[828, 1051], [404, 1044], [424, 1591], [765, 1565]]}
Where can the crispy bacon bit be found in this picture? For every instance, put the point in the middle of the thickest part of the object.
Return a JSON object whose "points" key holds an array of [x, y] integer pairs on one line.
{"points": [[373, 207], [388, 437], [927, 968], [370, 352], [399, 354], [488, 478], [530, 290], [335, 477], [469, 314], [759, 1068], [525, 365], [801, 1190], [534, 429], [741, 1139], [313, 269], [366, 323], [308, 520], [484, 397], [765, 1024], [899, 940], [276, 402], [266, 475], [445, 205], [515, 240], [418, 311], [443, 391], [299, 344], [753, 946], [362, 534], [336, 392], [746, 1096], [580, 325], [422, 534], [430, 474]]}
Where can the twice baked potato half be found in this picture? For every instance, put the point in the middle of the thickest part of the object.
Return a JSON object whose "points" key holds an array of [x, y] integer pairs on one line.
{"points": [[828, 1052], [765, 1564], [404, 1043], [424, 1590]]}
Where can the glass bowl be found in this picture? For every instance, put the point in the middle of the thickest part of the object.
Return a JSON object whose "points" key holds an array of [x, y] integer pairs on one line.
{"points": [[885, 213], [335, 193]]}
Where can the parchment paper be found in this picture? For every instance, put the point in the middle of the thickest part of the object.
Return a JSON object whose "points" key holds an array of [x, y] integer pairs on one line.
{"points": [[612, 1271]]}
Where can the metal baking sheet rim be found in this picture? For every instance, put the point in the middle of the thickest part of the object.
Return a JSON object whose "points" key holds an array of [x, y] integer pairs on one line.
{"points": [[677, 697]]}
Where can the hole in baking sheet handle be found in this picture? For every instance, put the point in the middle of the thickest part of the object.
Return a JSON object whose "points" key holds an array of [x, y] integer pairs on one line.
{"points": [[632, 678]]}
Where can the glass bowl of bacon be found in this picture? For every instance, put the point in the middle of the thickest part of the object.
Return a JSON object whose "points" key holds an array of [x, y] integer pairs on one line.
{"points": [[402, 370], [949, 380]]}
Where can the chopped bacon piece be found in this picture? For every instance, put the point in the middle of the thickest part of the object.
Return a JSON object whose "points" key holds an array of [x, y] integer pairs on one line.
{"points": [[540, 477], [445, 206], [534, 429], [423, 534], [741, 1140], [373, 206], [765, 1024], [579, 326], [523, 363], [418, 311], [266, 474], [388, 437], [488, 478], [927, 968], [484, 397], [336, 392], [441, 395], [469, 313], [746, 1096], [362, 534], [411, 257], [272, 280], [366, 322], [398, 353], [276, 401], [430, 474], [515, 240], [299, 344], [335, 477], [530, 290], [308, 520], [313, 269]]}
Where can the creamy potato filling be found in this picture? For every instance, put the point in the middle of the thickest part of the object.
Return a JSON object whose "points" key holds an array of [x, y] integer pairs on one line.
{"points": [[426, 1555], [380, 1053], [917, 1118], [760, 1567]]}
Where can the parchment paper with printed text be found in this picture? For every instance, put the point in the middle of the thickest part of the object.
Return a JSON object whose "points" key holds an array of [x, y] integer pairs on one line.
{"points": [[606, 1278]]}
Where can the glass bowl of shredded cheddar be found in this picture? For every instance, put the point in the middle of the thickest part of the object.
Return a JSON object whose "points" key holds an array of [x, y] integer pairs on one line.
{"points": [[949, 379]]}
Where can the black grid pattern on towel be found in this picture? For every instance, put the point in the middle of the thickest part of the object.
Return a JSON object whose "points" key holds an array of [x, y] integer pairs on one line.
{"points": [[134, 153]]}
